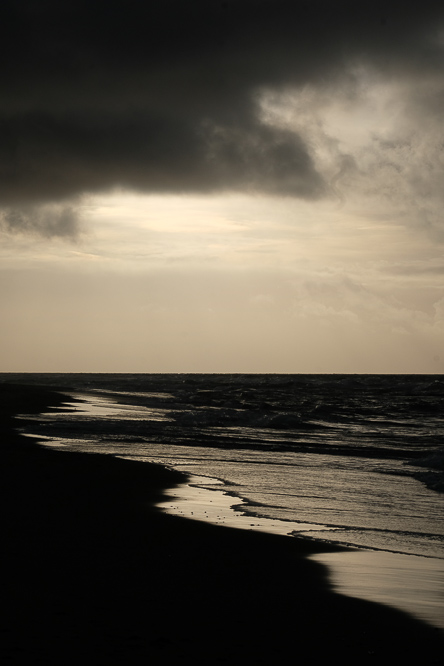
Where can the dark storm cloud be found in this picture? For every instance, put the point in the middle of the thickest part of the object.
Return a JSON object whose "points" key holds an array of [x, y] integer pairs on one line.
{"points": [[161, 96], [44, 154]]}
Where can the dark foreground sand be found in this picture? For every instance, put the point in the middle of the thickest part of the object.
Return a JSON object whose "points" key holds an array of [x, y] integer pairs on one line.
{"points": [[93, 574]]}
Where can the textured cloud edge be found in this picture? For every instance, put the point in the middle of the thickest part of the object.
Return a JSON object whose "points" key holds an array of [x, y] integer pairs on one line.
{"points": [[50, 221], [167, 99]]}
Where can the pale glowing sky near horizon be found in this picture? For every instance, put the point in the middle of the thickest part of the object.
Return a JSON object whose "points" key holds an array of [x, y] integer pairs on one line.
{"points": [[345, 278], [226, 283]]}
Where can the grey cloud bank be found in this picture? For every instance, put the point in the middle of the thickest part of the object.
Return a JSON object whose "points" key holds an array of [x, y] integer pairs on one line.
{"points": [[163, 97]]}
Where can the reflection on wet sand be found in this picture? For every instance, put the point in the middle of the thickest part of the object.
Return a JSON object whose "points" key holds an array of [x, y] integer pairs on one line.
{"points": [[411, 583]]}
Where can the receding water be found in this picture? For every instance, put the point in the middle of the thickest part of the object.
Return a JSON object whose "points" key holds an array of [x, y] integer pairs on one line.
{"points": [[353, 460]]}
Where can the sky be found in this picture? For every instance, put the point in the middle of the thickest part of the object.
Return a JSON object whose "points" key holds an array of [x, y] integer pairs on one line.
{"points": [[222, 186]]}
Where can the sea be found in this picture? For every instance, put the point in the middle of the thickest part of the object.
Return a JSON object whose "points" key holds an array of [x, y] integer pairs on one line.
{"points": [[351, 460]]}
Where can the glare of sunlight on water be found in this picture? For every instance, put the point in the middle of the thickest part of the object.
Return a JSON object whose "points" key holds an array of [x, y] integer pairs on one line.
{"points": [[413, 584], [190, 501], [108, 408]]}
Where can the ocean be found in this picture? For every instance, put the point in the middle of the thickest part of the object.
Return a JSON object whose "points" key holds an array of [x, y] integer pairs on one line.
{"points": [[354, 460]]}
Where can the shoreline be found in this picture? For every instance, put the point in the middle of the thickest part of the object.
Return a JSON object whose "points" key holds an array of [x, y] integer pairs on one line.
{"points": [[219, 507], [413, 583], [97, 574]]}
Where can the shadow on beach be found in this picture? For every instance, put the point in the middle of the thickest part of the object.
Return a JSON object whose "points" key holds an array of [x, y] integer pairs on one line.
{"points": [[93, 573]]}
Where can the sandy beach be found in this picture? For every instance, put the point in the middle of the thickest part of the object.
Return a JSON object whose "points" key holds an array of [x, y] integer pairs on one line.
{"points": [[94, 573]]}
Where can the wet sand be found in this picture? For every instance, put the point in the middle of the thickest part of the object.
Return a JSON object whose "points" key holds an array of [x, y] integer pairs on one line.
{"points": [[412, 583], [93, 573]]}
